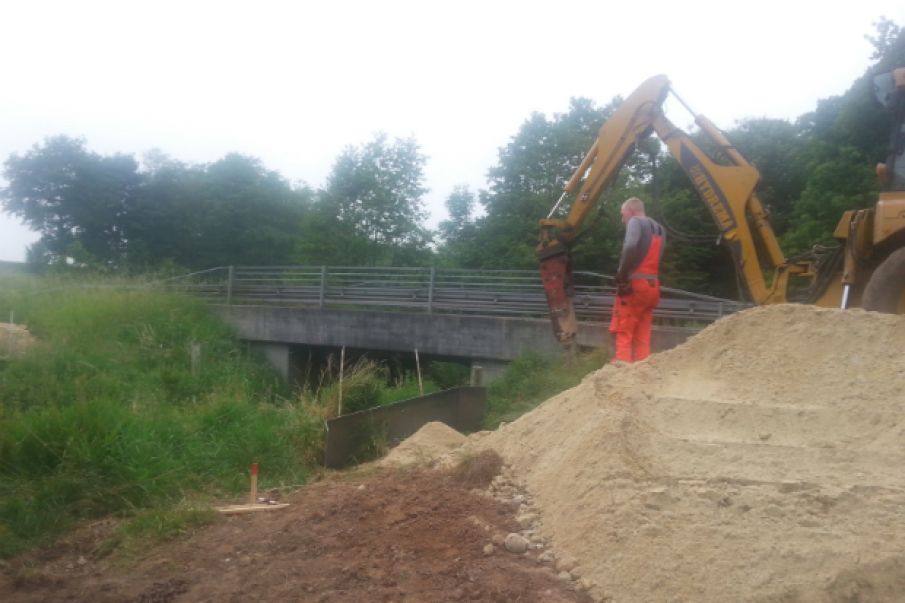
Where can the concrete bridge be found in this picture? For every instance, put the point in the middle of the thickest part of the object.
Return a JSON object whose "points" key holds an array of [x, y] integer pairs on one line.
{"points": [[488, 341], [479, 316]]}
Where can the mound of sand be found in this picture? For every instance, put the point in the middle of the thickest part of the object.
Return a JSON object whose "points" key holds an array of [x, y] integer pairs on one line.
{"points": [[14, 339], [428, 445], [760, 461]]}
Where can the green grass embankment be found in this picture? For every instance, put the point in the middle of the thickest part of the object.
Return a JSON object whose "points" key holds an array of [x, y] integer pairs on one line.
{"points": [[104, 416], [531, 379]]}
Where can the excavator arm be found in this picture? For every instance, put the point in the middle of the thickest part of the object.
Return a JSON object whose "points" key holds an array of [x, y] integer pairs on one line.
{"points": [[740, 216], [617, 138], [727, 190]]}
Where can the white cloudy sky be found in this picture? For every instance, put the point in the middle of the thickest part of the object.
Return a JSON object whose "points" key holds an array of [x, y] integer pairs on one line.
{"points": [[294, 82]]}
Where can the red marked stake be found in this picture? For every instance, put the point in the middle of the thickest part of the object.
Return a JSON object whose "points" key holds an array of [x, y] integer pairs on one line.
{"points": [[253, 495]]}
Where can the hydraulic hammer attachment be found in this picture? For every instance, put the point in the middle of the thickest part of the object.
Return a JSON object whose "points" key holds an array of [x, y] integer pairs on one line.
{"points": [[556, 273]]}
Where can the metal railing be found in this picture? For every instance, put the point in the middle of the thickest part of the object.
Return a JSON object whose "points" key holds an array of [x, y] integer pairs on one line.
{"points": [[513, 293]]}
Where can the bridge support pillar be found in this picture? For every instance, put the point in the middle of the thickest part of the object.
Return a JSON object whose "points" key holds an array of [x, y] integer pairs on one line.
{"points": [[490, 369], [278, 355]]}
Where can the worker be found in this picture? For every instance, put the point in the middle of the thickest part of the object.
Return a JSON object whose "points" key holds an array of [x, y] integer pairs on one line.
{"points": [[637, 283]]}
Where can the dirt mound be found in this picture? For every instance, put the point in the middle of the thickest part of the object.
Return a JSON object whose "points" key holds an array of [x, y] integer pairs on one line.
{"points": [[14, 339], [417, 537], [760, 461], [425, 447]]}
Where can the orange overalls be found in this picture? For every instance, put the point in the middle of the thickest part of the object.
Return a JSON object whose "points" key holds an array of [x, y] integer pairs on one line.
{"points": [[633, 314]]}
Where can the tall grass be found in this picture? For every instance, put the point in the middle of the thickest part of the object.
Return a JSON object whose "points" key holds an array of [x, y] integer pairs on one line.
{"points": [[531, 379], [105, 415]]}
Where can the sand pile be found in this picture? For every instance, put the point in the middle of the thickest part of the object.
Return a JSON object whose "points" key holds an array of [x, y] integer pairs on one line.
{"points": [[428, 445], [14, 339], [764, 460]]}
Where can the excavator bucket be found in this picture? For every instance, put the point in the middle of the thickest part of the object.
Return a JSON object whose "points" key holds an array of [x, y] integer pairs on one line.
{"points": [[556, 273]]}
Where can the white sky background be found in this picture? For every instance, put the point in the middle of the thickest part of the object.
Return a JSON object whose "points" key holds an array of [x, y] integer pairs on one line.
{"points": [[293, 83]]}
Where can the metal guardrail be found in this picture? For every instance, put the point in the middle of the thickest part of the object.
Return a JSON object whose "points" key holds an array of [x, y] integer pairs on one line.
{"points": [[513, 293]]}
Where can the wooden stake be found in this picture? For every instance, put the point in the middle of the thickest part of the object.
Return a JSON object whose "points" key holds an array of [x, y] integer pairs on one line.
{"points": [[234, 509], [418, 368], [253, 495], [342, 364]]}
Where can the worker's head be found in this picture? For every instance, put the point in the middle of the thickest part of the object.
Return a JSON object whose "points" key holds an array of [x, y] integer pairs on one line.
{"points": [[633, 206]]}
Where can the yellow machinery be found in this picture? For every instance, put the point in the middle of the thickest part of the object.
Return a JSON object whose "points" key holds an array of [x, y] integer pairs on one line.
{"points": [[870, 271]]}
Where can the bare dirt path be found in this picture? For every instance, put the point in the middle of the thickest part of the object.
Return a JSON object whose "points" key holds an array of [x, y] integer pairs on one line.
{"points": [[389, 536]]}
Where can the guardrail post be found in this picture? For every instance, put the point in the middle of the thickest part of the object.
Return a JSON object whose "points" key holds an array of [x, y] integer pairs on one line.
{"points": [[230, 277], [430, 291], [323, 291]]}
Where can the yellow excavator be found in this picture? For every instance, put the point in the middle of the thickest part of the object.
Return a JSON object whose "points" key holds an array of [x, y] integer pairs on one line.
{"points": [[867, 269]]}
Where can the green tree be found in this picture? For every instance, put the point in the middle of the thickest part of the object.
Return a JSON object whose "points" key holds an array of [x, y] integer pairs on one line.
{"points": [[530, 175], [232, 211], [167, 215], [457, 233], [327, 240], [846, 136], [841, 178], [105, 212], [252, 214], [460, 206], [78, 200], [779, 151], [376, 192], [888, 46]]}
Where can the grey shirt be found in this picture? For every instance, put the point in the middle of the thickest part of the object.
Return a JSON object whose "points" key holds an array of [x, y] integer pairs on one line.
{"points": [[638, 234]]}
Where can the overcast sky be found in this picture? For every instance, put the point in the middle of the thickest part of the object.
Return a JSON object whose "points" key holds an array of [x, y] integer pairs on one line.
{"points": [[292, 83]]}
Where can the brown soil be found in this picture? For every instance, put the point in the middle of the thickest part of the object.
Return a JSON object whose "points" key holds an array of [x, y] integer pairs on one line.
{"points": [[405, 537]]}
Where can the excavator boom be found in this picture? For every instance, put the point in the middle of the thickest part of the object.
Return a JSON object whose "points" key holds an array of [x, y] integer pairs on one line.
{"points": [[726, 188]]}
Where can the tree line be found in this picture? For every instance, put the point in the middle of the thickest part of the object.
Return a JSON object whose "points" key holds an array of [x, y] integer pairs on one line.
{"points": [[117, 213]]}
